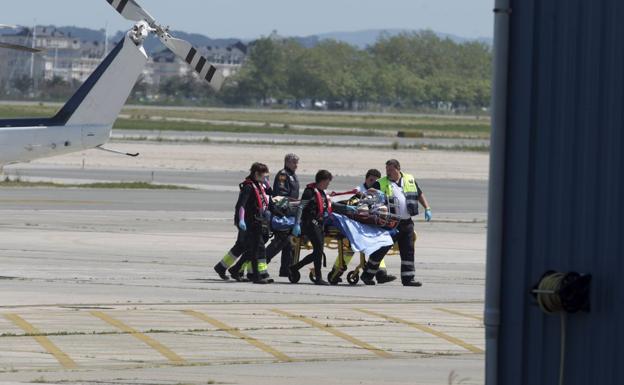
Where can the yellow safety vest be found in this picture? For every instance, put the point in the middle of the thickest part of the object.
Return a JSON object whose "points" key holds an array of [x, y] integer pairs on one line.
{"points": [[410, 189]]}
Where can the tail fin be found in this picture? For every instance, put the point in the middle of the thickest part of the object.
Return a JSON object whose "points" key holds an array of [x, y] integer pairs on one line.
{"points": [[100, 98]]}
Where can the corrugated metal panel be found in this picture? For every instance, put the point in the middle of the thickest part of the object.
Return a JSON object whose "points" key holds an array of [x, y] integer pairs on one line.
{"points": [[564, 187]]}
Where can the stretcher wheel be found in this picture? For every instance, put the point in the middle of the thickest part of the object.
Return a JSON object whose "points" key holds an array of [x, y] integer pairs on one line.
{"points": [[333, 278], [353, 278], [312, 276], [294, 276]]}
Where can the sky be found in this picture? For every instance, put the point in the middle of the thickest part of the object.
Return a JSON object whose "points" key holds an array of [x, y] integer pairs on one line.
{"points": [[254, 18]]}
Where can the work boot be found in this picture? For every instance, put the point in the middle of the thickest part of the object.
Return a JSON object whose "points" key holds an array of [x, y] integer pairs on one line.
{"points": [[385, 278], [412, 283], [237, 275], [334, 276], [321, 282], [221, 271], [284, 273], [368, 281], [262, 281], [267, 277]]}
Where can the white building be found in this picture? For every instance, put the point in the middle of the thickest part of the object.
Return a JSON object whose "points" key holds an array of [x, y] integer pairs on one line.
{"points": [[165, 64], [64, 56]]}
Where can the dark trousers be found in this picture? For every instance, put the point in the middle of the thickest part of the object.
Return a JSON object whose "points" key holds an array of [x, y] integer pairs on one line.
{"points": [[316, 235], [405, 239], [239, 247], [281, 242], [236, 251], [254, 250]]}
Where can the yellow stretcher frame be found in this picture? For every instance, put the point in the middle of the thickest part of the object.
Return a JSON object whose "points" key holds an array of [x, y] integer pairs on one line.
{"points": [[335, 240]]}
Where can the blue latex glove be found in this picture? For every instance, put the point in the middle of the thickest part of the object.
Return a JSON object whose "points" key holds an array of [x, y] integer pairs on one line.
{"points": [[296, 230], [242, 225], [382, 196], [352, 209], [428, 215], [393, 232]]}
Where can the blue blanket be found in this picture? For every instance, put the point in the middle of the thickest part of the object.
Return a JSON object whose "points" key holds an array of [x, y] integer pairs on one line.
{"points": [[363, 238]]}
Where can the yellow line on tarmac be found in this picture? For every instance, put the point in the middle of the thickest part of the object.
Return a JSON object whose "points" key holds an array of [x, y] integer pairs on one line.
{"points": [[160, 348], [45, 342], [425, 329], [237, 333], [336, 332], [455, 312]]}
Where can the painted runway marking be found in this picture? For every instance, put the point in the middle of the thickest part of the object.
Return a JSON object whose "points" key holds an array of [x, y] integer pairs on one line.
{"points": [[425, 329], [455, 312], [237, 333], [160, 348], [336, 332], [45, 342]]}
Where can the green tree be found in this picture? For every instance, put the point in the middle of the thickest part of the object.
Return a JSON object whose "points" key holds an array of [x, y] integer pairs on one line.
{"points": [[264, 74]]}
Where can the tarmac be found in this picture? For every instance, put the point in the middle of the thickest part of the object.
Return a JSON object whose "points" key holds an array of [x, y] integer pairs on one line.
{"points": [[299, 139], [116, 286]]}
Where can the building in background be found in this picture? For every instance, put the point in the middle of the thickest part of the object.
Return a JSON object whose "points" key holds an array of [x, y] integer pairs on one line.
{"points": [[64, 56], [73, 59], [165, 64]]}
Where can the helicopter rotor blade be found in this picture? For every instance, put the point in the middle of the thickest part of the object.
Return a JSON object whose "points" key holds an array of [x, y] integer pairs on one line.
{"points": [[20, 48]]}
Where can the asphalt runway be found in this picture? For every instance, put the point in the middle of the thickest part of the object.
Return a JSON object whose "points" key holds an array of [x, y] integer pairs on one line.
{"points": [[300, 139], [454, 199], [117, 286]]}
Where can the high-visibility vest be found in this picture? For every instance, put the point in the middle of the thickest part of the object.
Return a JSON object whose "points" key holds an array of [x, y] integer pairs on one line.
{"points": [[410, 189]]}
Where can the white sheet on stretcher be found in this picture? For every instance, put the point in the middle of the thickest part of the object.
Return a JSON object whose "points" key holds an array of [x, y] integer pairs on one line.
{"points": [[363, 238]]}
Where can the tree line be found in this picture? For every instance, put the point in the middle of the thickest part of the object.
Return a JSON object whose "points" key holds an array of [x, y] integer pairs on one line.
{"points": [[409, 71]]}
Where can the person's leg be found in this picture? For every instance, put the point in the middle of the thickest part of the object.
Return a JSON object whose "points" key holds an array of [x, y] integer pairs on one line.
{"points": [[276, 245], [406, 249], [317, 238], [244, 263], [287, 257], [309, 233], [340, 266], [239, 266], [281, 242], [372, 265], [318, 243], [257, 254], [263, 266], [382, 275], [230, 257]]}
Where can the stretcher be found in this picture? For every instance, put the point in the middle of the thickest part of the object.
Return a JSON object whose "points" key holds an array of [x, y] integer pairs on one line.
{"points": [[372, 209], [335, 240]]}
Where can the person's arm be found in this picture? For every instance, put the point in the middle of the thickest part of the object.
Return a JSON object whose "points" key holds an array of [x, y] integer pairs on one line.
{"points": [[273, 208], [422, 198], [306, 199], [281, 186], [243, 198], [361, 192], [423, 201], [268, 189]]}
